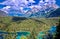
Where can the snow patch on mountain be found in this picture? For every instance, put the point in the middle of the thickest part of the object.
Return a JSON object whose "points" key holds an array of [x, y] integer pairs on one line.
{"points": [[27, 7]]}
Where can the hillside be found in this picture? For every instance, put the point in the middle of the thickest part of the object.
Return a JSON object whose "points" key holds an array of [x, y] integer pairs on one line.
{"points": [[14, 24]]}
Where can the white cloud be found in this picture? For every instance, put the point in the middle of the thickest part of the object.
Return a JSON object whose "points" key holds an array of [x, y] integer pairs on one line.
{"points": [[20, 4], [46, 0]]}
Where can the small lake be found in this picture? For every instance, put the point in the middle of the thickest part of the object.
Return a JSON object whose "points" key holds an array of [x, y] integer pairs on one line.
{"points": [[19, 34]]}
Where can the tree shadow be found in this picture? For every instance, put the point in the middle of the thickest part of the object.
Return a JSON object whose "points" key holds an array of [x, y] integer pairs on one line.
{"points": [[18, 19], [58, 31]]}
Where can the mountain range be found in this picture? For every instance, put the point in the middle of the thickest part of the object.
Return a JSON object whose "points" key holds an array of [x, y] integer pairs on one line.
{"points": [[55, 13]]}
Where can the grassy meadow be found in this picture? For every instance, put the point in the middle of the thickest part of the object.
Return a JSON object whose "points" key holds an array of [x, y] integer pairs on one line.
{"points": [[18, 24]]}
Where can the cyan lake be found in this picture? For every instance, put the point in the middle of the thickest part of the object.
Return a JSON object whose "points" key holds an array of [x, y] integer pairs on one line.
{"points": [[20, 35]]}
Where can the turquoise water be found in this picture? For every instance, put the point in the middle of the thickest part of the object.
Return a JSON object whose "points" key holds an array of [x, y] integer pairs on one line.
{"points": [[40, 35], [19, 34]]}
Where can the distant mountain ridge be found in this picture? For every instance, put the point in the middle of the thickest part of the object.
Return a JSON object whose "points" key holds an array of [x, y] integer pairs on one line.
{"points": [[56, 13], [28, 8], [2, 13], [51, 13]]}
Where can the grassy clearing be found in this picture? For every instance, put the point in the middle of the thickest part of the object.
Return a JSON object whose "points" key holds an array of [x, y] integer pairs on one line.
{"points": [[8, 24], [33, 25]]}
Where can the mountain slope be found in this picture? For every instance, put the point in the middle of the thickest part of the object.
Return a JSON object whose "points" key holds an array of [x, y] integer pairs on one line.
{"points": [[2, 13], [12, 24], [56, 13]]}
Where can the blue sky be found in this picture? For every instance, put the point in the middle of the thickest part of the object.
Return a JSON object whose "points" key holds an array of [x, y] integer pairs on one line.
{"points": [[37, 1], [57, 1], [2, 0]]}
